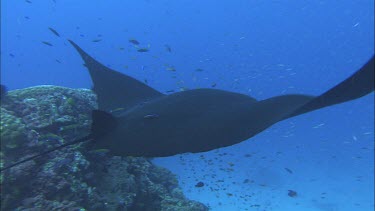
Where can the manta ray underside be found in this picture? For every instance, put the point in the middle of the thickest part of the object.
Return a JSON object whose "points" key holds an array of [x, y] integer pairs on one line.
{"points": [[136, 120]]}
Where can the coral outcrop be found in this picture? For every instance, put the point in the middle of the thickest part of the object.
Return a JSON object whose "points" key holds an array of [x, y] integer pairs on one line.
{"points": [[74, 178]]}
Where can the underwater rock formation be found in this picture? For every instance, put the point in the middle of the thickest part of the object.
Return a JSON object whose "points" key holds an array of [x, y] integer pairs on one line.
{"points": [[39, 118]]}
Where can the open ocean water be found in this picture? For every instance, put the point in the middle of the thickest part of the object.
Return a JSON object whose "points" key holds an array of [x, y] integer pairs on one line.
{"points": [[258, 48]]}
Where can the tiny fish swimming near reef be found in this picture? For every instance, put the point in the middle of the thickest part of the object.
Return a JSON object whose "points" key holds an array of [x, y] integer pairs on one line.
{"points": [[288, 170], [134, 41], [151, 116], [96, 40], [199, 184], [54, 31], [143, 50], [171, 68], [292, 193], [47, 43], [168, 48], [170, 91], [196, 120]]}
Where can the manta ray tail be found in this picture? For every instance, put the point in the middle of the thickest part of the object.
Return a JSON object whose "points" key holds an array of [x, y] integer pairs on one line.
{"points": [[358, 85]]}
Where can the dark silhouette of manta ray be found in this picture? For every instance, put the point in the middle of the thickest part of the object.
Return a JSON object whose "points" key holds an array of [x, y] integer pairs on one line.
{"points": [[136, 120]]}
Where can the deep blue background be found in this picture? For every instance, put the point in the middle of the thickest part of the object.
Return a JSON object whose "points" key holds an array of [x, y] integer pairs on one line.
{"points": [[260, 48]]}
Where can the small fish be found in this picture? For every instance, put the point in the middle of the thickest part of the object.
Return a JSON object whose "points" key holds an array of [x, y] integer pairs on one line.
{"points": [[27, 17], [11, 55], [199, 184], [151, 116], [134, 41], [318, 126], [213, 85], [54, 31], [168, 48], [292, 193], [171, 68], [28, 1], [143, 50], [117, 109], [199, 70], [170, 91], [47, 43], [58, 61], [101, 151], [183, 89], [97, 40], [288, 170]]}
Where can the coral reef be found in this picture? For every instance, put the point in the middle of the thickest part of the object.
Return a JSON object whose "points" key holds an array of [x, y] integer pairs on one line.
{"points": [[39, 118], [12, 130]]}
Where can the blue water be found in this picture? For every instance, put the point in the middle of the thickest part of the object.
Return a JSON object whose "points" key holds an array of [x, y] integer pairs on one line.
{"points": [[260, 48]]}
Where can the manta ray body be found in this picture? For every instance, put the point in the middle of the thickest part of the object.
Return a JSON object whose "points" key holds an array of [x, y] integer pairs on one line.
{"points": [[135, 119]]}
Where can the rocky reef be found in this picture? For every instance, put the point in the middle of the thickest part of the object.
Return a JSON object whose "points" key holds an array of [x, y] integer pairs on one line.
{"points": [[39, 118]]}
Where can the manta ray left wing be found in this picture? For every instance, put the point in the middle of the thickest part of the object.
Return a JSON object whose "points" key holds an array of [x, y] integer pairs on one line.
{"points": [[114, 89]]}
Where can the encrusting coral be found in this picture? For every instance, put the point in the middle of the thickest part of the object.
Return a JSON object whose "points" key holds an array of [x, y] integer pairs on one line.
{"points": [[38, 118]]}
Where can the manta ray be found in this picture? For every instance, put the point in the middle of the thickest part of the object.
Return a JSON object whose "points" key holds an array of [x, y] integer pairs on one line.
{"points": [[134, 119]]}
